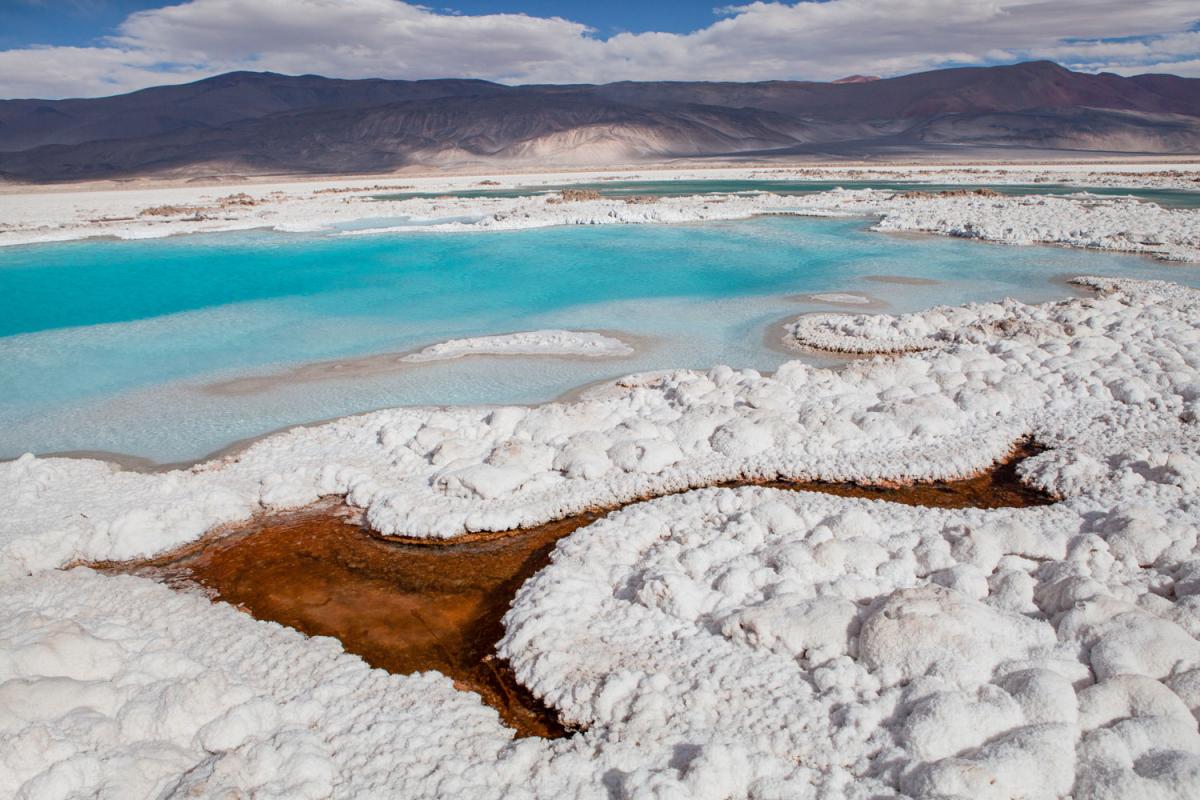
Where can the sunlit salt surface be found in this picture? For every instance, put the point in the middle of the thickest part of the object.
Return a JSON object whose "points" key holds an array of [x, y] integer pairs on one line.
{"points": [[116, 345]]}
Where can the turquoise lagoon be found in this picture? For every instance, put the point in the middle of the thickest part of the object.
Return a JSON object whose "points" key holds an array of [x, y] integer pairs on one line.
{"points": [[116, 346]]}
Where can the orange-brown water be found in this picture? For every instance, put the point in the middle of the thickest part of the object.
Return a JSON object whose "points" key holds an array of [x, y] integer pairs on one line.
{"points": [[409, 606]]}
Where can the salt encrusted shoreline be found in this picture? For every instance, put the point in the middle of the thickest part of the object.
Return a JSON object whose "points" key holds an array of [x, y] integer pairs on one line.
{"points": [[525, 343], [719, 643], [1086, 221], [1109, 223], [441, 472]]}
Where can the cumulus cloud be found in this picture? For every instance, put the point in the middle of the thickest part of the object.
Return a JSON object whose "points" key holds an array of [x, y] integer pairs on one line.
{"points": [[806, 40]]}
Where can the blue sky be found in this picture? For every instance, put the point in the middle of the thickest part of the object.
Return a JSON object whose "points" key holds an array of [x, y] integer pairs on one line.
{"points": [[81, 22], [609, 16], [28, 22], [79, 48]]}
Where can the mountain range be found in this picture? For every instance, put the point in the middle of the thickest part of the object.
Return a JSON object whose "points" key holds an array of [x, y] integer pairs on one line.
{"points": [[264, 123]]}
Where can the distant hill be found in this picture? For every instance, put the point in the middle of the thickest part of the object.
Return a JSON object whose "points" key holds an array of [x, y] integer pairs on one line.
{"points": [[264, 123]]}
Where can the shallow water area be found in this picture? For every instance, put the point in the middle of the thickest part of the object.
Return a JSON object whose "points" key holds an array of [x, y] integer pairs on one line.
{"points": [[1168, 198], [125, 362], [414, 605], [373, 223]]}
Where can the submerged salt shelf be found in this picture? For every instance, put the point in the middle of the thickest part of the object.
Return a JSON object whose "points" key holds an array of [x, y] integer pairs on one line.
{"points": [[583, 344], [133, 361]]}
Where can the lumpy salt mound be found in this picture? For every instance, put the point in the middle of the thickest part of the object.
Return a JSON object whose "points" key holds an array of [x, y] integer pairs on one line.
{"points": [[859, 649]]}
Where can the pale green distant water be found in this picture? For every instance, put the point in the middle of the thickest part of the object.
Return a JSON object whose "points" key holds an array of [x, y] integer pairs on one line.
{"points": [[1168, 198]]}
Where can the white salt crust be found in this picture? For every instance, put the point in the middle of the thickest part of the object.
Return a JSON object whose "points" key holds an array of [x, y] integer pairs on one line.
{"points": [[526, 343], [790, 645], [1057, 370], [1122, 224], [720, 643]]}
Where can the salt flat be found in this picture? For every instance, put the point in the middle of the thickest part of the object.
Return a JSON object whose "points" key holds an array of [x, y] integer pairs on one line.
{"points": [[715, 643]]}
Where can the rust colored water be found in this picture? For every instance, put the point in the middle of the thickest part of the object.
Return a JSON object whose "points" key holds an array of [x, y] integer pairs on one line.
{"points": [[407, 607], [996, 487]]}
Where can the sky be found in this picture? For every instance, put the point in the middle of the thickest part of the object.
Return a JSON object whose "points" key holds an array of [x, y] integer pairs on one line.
{"points": [[89, 48]]}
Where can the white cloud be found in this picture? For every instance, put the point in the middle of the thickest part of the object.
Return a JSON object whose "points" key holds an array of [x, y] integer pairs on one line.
{"points": [[1188, 68], [82, 72], [389, 38]]}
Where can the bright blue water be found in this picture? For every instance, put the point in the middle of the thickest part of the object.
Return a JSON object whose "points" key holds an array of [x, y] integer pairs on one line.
{"points": [[1168, 198], [108, 345]]}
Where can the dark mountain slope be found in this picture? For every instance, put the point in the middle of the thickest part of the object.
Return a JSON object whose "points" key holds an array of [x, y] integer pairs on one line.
{"points": [[1036, 84], [268, 123], [208, 103], [421, 131]]}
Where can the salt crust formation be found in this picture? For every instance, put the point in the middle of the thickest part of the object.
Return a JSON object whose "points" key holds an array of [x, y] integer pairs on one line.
{"points": [[1081, 220], [525, 343], [1121, 224], [718, 643]]}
